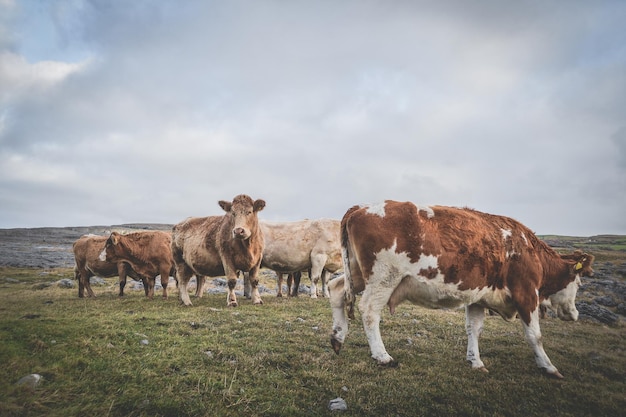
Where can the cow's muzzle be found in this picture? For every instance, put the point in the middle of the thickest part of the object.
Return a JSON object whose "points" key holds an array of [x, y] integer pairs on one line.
{"points": [[240, 233]]}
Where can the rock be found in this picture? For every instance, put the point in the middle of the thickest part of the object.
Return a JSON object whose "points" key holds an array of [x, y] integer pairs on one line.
{"points": [[220, 282], [12, 280], [97, 281], [66, 283], [31, 381], [596, 312], [338, 404], [606, 301]]}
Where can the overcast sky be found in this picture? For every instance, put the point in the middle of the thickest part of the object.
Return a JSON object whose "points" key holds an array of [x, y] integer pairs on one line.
{"points": [[152, 111]]}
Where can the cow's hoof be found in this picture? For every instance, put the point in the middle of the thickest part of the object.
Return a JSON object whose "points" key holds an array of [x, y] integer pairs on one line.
{"points": [[556, 374], [258, 303], [482, 369], [232, 304], [390, 364], [336, 344]]}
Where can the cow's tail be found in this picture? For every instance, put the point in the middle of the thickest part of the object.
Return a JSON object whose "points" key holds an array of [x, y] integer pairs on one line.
{"points": [[349, 295]]}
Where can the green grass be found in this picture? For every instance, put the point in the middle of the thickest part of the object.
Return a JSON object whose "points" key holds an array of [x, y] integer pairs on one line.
{"points": [[275, 359]]}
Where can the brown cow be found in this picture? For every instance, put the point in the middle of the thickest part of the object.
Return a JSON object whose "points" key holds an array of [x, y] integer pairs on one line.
{"points": [[147, 252], [86, 253], [220, 245], [448, 257], [306, 245]]}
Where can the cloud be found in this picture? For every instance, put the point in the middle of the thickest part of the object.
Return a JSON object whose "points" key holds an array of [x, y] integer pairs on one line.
{"points": [[119, 112]]}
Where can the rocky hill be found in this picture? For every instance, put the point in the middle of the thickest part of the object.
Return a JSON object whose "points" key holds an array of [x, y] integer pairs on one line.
{"points": [[601, 298]]}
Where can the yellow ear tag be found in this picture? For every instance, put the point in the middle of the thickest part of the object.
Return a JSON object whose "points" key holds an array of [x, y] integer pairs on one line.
{"points": [[579, 266]]}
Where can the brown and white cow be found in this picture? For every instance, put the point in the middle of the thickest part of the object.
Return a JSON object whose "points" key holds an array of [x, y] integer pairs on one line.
{"points": [[306, 245], [447, 257], [220, 245], [147, 252], [87, 250]]}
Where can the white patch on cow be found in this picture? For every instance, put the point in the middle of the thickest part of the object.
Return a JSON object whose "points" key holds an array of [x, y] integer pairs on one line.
{"points": [[103, 255], [507, 233], [430, 213], [525, 240], [377, 209]]}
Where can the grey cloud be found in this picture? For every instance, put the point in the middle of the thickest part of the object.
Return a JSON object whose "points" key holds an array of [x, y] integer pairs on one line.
{"points": [[317, 106]]}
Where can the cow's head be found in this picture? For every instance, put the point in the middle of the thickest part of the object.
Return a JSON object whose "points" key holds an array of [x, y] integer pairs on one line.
{"points": [[564, 301], [243, 211], [108, 252]]}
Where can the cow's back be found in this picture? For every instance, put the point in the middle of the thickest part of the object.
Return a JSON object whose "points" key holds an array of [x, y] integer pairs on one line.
{"points": [[477, 248], [157, 245]]}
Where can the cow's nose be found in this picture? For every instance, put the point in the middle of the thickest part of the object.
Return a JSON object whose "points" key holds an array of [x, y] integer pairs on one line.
{"points": [[239, 231]]}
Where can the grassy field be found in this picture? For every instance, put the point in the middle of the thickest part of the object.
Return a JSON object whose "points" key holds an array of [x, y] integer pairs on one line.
{"points": [[137, 357]]}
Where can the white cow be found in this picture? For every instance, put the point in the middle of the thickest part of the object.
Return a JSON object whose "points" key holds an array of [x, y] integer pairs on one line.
{"points": [[306, 245]]}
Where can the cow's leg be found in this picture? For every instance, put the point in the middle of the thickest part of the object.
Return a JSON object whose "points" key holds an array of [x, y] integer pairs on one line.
{"points": [[254, 283], [374, 299], [200, 281], [317, 267], [246, 285], [87, 284], [165, 279], [146, 285], [533, 337], [231, 277], [474, 319], [279, 277], [150, 291], [337, 305], [295, 285], [183, 275], [122, 274], [78, 276], [325, 275]]}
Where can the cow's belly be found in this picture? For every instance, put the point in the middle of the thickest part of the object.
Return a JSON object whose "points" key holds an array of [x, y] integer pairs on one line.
{"points": [[430, 294], [204, 263], [433, 293], [286, 265]]}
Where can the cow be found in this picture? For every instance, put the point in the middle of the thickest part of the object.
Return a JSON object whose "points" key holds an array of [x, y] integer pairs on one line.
{"points": [[306, 245], [439, 256], [87, 250], [147, 252], [220, 246]]}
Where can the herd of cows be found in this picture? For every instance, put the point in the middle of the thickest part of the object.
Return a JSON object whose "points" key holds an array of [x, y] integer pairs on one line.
{"points": [[435, 256]]}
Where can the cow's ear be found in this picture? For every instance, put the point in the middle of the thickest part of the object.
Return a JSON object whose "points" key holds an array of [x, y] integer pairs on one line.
{"points": [[259, 205], [225, 205], [115, 238], [587, 261]]}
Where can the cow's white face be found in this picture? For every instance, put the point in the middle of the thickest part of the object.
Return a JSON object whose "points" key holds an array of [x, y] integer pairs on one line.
{"points": [[243, 220], [243, 211], [564, 301]]}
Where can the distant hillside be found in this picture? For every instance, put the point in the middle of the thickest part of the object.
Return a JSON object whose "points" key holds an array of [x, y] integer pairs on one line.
{"points": [[605, 247], [51, 247]]}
